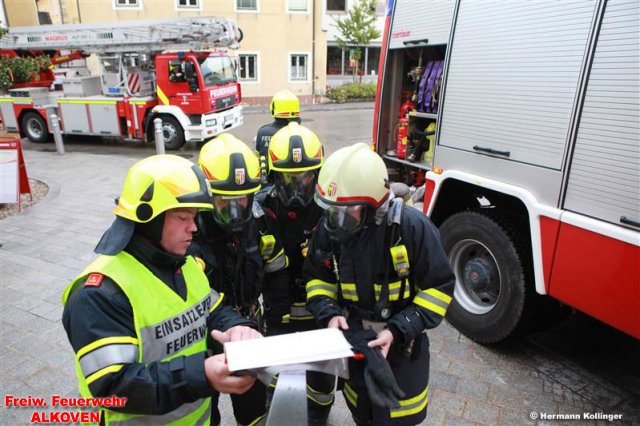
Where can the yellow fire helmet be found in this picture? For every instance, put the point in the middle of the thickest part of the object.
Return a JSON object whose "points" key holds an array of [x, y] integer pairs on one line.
{"points": [[160, 183], [294, 148], [351, 176], [285, 105], [231, 167]]}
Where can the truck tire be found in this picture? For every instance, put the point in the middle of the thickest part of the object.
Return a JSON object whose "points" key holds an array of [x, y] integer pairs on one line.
{"points": [[490, 292], [173, 134], [34, 127]]}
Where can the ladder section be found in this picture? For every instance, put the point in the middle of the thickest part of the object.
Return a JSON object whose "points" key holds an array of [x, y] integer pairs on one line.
{"points": [[199, 33]]}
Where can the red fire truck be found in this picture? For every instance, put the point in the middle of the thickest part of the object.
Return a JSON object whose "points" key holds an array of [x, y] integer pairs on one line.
{"points": [[149, 69], [532, 164]]}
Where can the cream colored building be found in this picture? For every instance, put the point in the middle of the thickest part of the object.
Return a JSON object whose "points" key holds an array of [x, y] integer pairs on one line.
{"points": [[286, 42]]}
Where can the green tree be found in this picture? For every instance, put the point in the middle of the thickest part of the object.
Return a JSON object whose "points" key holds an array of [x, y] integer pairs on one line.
{"points": [[357, 29]]}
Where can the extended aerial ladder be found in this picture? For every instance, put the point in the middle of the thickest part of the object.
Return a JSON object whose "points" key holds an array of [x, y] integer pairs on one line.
{"points": [[149, 36]]}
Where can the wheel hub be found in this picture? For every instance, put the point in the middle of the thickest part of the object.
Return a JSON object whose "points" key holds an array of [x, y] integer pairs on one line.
{"points": [[168, 132], [478, 276], [477, 273], [34, 128]]}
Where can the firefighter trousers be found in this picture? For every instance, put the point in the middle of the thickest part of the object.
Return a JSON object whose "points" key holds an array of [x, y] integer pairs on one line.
{"points": [[410, 366], [249, 409]]}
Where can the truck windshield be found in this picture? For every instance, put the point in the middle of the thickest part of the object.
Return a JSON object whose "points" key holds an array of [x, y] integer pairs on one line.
{"points": [[217, 70]]}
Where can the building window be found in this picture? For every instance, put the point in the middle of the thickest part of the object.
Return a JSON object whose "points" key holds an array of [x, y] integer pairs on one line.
{"points": [[248, 67], [342, 62], [127, 3], [336, 5], [188, 4], [246, 4], [297, 6], [334, 60], [373, 59], [298, 69], [44, 18]]}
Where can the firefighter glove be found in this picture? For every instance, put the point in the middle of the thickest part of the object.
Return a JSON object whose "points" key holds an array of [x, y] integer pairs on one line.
{"points": [[378, 377]]}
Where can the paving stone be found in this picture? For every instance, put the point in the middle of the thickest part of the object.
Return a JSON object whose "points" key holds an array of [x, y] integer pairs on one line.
{"points": [[439, 362], [480, 412], [535, 401], [24, 302], [54, 315], [505, 396], [58, 336], [35, 324], [545, 365], [435, 417], [495, 376], [435, 342], [454, 349], [9, 335], [562, 394], [600, 395], [47, 380], [42, 309], [443, 380], [570, 379], [527, 380], [473, 389], [10, 416], [465, 369], [458, 421], [447, 401], [25, 369], [630, 411], [487, 356], [447, 330], [514, 418]]}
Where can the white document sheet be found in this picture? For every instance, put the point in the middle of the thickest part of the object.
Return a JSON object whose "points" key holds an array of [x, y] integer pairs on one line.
{"points": [[294, 348]]}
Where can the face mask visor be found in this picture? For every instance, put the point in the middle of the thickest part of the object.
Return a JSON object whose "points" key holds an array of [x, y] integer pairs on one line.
{"points": [[232, 211], [343, 222], [295, 188]]}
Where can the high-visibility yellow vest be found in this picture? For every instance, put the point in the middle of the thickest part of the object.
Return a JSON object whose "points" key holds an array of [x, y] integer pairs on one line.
{"points": [[166, 327]]}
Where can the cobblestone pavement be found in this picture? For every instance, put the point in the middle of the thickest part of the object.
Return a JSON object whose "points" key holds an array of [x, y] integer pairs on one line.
{"points": [[46, 246]]}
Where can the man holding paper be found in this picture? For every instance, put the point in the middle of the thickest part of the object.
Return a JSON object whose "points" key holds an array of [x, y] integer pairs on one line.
{"points": [[377, 270], [139, 315]]}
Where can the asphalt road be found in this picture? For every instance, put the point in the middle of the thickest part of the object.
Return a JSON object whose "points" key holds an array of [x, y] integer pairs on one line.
{"points": [[336, 126]]}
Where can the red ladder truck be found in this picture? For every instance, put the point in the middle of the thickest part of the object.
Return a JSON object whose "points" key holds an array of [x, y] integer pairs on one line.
{"points": [[149, 69], [532, 172]]}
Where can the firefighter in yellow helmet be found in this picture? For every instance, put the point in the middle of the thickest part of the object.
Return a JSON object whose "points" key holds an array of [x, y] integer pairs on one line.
{"points": [[228, 243], [287, 216], [383, 265], [284, 108], [118, 312]]}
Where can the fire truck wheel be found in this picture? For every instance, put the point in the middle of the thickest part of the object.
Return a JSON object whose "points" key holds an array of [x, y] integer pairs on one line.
{"points": [[173, 134], [34, 127], [489, 296]]}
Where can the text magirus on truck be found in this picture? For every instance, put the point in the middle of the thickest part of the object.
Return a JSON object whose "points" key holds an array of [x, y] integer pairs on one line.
{"points": [[137, 83], [532, 173]]}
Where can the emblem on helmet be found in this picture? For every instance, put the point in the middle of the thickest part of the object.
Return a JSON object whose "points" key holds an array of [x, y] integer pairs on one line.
{"points": [[240, 176], [333, 188], [297, 155]]}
